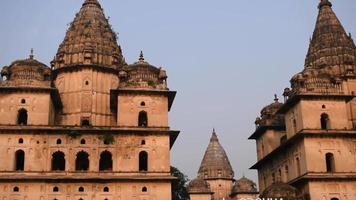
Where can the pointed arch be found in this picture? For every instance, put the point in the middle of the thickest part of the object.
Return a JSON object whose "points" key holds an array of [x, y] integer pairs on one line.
{"points": [[58, 161], [19, 160], [82, 161], [330, 162], [143, 161], [105, 162], [324, 121], [143, 119], [22, 117]]}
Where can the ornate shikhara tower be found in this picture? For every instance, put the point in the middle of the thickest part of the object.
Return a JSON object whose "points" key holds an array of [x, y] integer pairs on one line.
{"points": [[309, 141], [89, 127]]}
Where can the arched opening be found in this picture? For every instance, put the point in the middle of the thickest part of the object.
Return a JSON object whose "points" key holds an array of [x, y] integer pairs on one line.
{"points": [[144, 189], [81, 189], [22, 117], [59, 141], [55, 189], [143, 161], [19, 160], [23, 101], [20, 141], [16, 189], [330, 162], [106, 189], [85, 122], [105, 162], [298, 166], [142, 119], [294, 125], [286, 172], [82, 141], [334, 199], [58, 161], [143, 142], [82, 161], [324, 121], [143, 103]]}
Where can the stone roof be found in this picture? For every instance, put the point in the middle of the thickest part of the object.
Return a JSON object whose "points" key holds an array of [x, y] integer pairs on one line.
{"points": [[281, 190], [244, 186], [215, 164], [143, 75], [26, 73], [330, 45], [269, 116], [199, 186], [331, 56], [89, 40]]}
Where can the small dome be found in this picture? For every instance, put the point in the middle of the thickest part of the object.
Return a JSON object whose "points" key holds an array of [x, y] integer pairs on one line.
{"points": [[269, 116], [199, 186], [272, 108], [244, 186], [27, 72], [142, 75], [280, 190]]}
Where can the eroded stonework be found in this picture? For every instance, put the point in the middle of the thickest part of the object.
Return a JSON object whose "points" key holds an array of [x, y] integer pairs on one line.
{"points": [[81, 130], [309, 141]]}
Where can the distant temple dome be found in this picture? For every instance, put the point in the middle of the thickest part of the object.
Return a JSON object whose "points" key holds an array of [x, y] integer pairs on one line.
{"points": [[244, 186], [142, 75], [281, 190], [215, 163], [199, 186], [27, 72]]}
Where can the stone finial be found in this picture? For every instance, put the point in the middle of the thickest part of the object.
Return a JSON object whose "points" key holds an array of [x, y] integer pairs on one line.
{"points": [[31, 54], [276, 98], [142, 58], [325, 3]]}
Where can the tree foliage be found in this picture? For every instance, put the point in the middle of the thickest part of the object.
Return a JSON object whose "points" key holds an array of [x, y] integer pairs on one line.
{"points": [[179, 186]]}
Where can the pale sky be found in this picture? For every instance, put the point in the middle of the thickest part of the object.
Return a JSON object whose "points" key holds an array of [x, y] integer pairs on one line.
{"points": [[225, 58]]}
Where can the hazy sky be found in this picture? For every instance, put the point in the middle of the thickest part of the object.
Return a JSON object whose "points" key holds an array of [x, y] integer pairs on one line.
{"points": [[225, 58]]}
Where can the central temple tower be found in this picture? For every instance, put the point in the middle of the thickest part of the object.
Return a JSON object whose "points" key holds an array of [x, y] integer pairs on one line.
{"points": [[86, 67]]}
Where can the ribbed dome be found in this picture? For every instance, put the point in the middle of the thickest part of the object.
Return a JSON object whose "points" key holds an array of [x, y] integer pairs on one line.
{"points": [[89, 41], [215, 164], [330, 45], [269, 116], [142, 75], [280, 190], [199, 186], [28, 72], [244, 186]]}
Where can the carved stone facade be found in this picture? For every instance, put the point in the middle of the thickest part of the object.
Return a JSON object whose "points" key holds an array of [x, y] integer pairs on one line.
{"points": [[215, 179], [78, 130], [311, 144]]}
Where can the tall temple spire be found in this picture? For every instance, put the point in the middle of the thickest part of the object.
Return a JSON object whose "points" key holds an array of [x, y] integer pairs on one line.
{"points": [[215, 163], [330, 45], [90, 40]]}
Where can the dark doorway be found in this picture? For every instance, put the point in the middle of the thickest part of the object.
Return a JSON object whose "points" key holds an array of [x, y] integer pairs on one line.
{"points": [[330, 162], [82, 161], [105, 162], [22, 117], [143, 161], [20, 160], [324, 121], [58, 161], [142, 119]]}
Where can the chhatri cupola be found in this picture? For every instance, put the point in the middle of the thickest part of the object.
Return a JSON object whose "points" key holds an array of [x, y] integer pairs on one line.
{"points": [[89, 40]]}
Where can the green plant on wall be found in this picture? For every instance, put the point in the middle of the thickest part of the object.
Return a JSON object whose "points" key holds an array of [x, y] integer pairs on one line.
{"points": [[74, 134], [151, 83], [107, 138]]}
